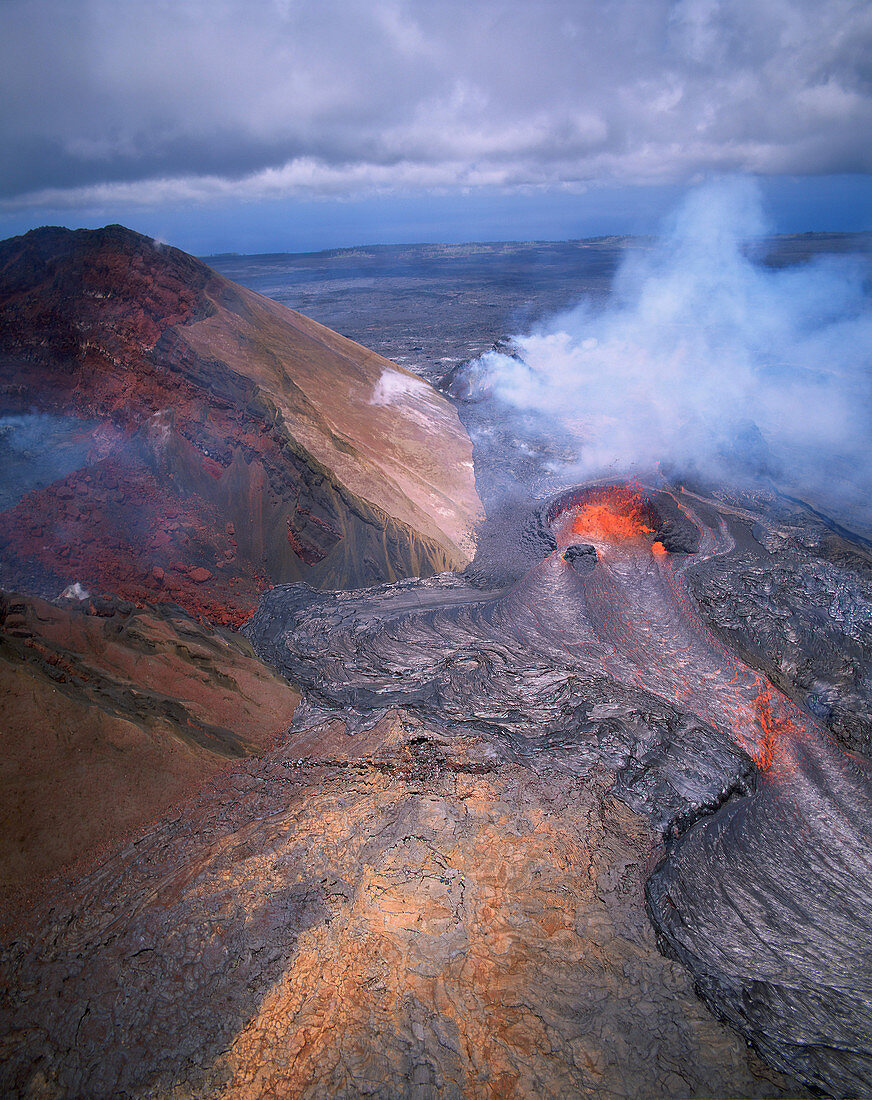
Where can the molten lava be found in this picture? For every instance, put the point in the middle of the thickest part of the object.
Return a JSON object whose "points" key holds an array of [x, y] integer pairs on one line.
{"points": [[647, 630], [616, 514], [603, 523]]}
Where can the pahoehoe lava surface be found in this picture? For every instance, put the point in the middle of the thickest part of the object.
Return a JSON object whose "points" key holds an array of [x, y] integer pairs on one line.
{"points": [[606, 658], [431, 890]]}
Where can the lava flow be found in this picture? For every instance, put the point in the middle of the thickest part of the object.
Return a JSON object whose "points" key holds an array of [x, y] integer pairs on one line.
{"points": [[808, 818], [637, 607], [603, 657]]}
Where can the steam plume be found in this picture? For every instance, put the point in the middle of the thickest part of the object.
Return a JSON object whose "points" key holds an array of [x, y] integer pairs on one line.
{"points": [[708, 362]]}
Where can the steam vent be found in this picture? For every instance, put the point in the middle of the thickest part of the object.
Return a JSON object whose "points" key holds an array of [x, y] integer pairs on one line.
{"points": [[311, 798]]}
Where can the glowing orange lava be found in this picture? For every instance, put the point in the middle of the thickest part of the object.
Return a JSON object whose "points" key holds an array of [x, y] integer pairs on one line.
{"points": [[779, 731], [648, 617], [616, 514]]}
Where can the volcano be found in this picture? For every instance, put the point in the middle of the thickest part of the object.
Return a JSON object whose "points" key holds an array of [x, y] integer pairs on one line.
{"points": [[604, 657], [586, 815], [171, 446], [448, 873]]}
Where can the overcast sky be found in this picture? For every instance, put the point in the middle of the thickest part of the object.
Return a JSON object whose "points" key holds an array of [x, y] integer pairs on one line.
{"points": [[258, 125]]}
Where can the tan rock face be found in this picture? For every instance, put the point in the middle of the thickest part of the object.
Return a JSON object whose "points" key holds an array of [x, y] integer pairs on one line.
{"points": [[381, 430], [398, 914]]}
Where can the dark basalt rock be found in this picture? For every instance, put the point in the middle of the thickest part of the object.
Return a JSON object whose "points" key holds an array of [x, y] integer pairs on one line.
{"points": [[491, 664], [804, 619], [767, 903], [581, 558]]}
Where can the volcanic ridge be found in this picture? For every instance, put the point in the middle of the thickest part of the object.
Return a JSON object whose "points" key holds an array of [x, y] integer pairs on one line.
{"points": [[225, 442]]}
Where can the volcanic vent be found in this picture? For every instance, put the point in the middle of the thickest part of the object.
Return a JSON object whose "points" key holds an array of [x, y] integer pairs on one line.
{"points": [[602, 516]]}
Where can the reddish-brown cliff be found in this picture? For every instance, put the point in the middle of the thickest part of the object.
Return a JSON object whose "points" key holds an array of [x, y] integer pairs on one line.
{"points": [[232, 442]]}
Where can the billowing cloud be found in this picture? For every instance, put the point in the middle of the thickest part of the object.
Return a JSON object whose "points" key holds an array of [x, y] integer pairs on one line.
{"points": [[705, 361], [189, 100]]}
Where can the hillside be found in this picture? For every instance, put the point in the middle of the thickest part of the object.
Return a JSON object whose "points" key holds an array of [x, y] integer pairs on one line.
{"points": [[217, 442]]}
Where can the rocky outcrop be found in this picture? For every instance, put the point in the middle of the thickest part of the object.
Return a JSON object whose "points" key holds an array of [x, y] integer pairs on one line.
{"points": [[223, 433], [112, 714]]}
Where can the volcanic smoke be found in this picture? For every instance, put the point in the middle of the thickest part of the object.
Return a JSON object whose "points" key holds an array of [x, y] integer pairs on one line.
{"points": [[707, 362]]}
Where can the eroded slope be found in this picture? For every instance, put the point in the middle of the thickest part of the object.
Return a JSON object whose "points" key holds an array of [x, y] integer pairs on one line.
{"points": [[112, 714]]}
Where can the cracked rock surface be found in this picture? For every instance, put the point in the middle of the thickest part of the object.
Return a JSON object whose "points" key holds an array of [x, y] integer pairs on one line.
{"points": [[619, 659], [400, 913]]}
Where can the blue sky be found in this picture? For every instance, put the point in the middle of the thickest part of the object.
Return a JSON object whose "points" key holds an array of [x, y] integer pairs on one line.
{"points": [[296, 125]]}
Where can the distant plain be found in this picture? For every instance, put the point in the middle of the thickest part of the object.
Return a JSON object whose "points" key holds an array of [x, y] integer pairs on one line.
{"points": [[430, 307]]}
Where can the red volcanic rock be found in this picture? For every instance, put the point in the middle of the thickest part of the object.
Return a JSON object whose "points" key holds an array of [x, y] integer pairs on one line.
{"points": [[221, 427], [119, 549]]}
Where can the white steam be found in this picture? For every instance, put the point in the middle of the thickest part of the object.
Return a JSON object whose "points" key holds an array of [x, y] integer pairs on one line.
{"points": [[707, 361], [393, 388], [75, 591]]}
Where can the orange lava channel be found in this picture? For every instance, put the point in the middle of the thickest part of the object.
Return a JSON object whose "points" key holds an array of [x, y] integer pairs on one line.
{"points": [[640, 607]]}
